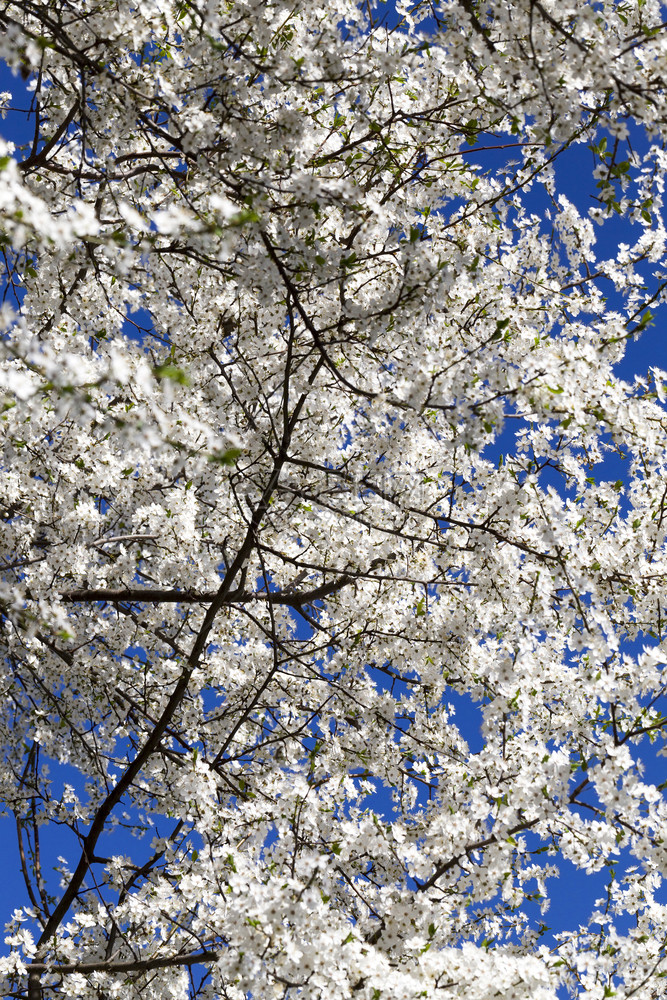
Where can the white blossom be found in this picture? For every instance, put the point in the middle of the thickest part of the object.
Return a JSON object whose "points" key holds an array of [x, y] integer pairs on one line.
{"points": [[334, 535]]}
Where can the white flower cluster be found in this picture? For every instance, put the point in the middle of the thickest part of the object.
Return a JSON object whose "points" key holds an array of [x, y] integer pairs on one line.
{"points": [[334, 541]]}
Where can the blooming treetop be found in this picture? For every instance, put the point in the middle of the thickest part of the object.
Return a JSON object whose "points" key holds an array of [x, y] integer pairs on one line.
{"points": [[307, 407]]}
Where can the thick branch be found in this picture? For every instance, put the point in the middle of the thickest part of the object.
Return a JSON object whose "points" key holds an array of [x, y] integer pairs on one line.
{"points": [[138, 965], [152, 595]]}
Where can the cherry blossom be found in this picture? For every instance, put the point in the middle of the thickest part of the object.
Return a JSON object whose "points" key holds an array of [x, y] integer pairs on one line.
{"points": [[334, 537]]}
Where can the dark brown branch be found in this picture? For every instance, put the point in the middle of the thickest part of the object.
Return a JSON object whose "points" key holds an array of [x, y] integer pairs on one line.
{"points": [[37, 159], [445, 866], [310, 326], [235, 571], [138, 965], [152, 595], [469, 8]]}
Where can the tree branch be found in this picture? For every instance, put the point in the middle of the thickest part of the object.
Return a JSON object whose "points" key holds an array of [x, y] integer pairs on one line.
{"points": [[138, 965], [152, 595]]}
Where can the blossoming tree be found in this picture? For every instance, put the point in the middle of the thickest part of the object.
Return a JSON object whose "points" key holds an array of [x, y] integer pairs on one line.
{"points": [[314, 450]]}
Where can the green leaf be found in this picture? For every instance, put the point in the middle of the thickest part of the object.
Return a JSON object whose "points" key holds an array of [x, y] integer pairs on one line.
{"points": [[644, 321], [172, 372], [500, 327], [240, 219], [227, 457]]}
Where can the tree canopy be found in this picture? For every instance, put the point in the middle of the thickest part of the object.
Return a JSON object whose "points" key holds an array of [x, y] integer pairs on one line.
{"points": [[333, 537]]}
